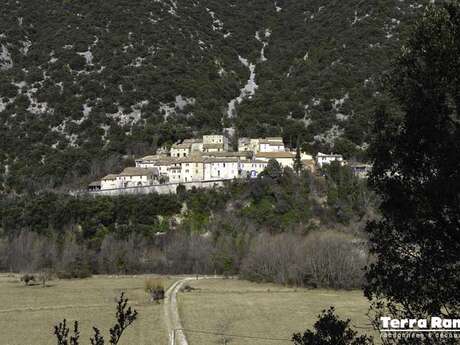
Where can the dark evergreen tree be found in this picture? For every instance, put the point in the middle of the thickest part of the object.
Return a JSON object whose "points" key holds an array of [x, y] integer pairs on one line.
{"points": [[416, 171], [298, 166], [273, 170], [330, 330]]}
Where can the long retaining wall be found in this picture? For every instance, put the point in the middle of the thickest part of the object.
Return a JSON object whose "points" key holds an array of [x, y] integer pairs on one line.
{"points": [[167, 188]]}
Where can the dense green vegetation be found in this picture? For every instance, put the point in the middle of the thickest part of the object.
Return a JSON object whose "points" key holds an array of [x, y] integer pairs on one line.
{"points": [[416, 172], [282, 203], [225, 230], [86, 85]]}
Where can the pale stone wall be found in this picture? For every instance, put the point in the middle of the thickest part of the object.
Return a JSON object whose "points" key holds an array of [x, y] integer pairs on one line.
{"points": [[220, 170], [168, 188]]}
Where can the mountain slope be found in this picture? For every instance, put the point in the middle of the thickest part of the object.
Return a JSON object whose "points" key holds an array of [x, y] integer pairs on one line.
{"points": [[83, 83]]}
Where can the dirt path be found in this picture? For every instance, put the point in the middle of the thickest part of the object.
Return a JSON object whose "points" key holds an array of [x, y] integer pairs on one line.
{"points": [[172, 317]]}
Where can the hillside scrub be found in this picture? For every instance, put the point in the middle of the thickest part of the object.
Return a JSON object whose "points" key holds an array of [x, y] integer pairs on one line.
{"points": [[268, 229], [126, 78]]}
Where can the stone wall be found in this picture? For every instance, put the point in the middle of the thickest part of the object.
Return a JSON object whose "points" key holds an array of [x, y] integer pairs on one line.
{"points": [[168, 188]]}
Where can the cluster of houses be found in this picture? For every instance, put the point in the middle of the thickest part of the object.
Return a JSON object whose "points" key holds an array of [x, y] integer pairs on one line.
{"points": [[208, 159]]}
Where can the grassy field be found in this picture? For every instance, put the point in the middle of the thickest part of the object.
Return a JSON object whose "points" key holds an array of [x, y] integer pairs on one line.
{"points": [[269, 311], [27, 314]]}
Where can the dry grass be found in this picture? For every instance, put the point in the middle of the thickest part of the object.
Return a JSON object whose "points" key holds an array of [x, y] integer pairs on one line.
{"points": [[152, 283], [27, 314], [265, 310]]}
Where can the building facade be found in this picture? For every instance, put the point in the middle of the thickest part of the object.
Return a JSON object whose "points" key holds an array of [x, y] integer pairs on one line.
{"points": [[286, 159], [322, 159], [216, 139], [220, 168], [137, 177], [109, 182]]}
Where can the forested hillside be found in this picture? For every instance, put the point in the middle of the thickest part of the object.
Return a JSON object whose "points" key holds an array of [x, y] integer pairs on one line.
{"points": [[273, 228], [84, 85]]}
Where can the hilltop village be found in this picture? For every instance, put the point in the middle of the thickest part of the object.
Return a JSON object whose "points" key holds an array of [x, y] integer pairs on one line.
{"points": [[209, 159]]}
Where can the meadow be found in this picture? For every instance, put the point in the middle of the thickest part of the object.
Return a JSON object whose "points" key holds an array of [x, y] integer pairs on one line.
{"points": [[28, 313], [268, 311], [230, 306]]}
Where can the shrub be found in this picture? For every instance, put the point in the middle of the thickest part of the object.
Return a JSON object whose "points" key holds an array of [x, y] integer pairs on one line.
{"points": [[330, 330], [125, 316], [27, 279], [75, 272], [155, 288]]}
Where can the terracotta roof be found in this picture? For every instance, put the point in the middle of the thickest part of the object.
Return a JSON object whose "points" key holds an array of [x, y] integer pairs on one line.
{"points": [[358, 164], [258, 161], [110, 177], [149, 158], [326, 155], [229, 154], [220, 160], [271, 142], [190, 159], [192, 141], [182, 146], [275, 155], [213, 135], [213, 146], [133, 171], [165, 161]]}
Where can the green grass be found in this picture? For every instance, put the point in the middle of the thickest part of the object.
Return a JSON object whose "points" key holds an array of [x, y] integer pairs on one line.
{"points": [[263, 310], [27, 314]]}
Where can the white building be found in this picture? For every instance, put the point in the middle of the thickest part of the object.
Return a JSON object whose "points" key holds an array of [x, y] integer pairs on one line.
{"points": [[147, 161], [192, 169], [244, 145], [109, 182], [196, 145], [322, 159], [286, 159], [252, 168], [271, 145], [213, 148], [220, 168], [361, 170], [137, 177], [240, 155], [216, 139], [174, 174], [181, 150]]}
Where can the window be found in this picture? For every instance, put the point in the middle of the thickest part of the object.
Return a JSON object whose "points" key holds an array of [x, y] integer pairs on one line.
{"points": [[185, 154], [218, 173], [224, 165]]}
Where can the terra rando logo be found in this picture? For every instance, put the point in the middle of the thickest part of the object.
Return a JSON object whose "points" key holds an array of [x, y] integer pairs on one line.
{"points": [[431, 327]]}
